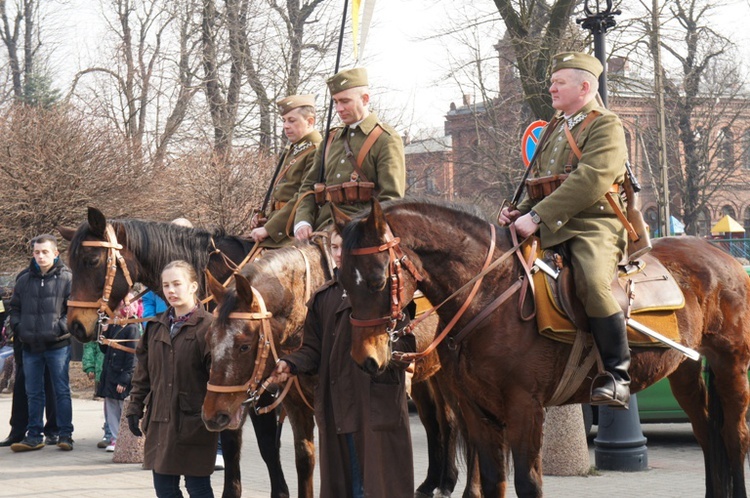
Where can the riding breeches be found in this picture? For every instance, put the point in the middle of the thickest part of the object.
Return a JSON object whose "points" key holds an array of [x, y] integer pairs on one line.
{"points": [[594, 256]]}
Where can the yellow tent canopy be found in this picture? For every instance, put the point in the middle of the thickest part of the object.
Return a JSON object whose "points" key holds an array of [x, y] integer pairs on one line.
{"points": [[727, 225]]}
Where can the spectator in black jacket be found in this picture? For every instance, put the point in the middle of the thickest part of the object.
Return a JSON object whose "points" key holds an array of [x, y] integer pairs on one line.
{"points": [[38, 315]]}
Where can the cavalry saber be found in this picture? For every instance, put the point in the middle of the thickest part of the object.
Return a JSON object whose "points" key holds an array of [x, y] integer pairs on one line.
{"points": [[636, 325], [690, 353]]}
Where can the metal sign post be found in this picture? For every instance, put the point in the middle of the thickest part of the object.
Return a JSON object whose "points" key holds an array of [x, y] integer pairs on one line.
{"points": [[619, 443]]}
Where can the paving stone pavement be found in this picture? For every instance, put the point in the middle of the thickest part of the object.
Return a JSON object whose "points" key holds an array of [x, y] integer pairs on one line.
{"points": [[675, 466]]}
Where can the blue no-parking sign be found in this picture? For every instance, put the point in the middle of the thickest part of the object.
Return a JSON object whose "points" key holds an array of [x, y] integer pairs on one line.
{"points": [[530, 139]]}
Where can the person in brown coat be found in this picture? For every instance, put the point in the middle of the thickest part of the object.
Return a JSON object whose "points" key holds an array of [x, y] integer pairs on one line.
{"points": [[363, 421], [169, 384]]}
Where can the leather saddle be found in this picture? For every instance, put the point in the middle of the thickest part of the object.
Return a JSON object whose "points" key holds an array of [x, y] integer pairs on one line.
{"points": [[645, 290]]}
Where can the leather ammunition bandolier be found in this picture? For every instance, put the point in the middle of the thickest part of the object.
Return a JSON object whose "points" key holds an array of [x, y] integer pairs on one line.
{"points": [[359, 188]]}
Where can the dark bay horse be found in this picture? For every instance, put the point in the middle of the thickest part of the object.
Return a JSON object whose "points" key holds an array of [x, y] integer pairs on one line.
{"points": [[147, 247], [503, 372], [279, 278]]}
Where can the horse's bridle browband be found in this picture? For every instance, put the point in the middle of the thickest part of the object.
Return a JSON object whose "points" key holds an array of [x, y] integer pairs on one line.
{"points": [[396, 261]]}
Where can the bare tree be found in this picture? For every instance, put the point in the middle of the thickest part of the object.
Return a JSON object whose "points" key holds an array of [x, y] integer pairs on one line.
{"points": [[707, 102], [143, 33]]}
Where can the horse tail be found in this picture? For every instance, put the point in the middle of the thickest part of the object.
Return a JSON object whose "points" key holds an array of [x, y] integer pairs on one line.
{"points": [[718, 469]]}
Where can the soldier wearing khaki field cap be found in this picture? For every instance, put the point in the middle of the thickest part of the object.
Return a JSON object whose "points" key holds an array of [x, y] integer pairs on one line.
{"points": [[298, 114], [375, 167], [578, 214]]}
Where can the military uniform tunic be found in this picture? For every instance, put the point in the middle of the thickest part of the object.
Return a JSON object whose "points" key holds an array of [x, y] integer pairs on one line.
{"points": [[384, 165], [577, 213], [297, 162]]}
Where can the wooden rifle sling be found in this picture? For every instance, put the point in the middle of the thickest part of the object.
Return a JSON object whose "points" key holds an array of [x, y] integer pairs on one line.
{"points": [[577, 151]]}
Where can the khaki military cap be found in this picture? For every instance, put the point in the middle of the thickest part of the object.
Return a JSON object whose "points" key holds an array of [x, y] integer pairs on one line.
{"points": [[577, 60], [294, 101], [346, 79]]}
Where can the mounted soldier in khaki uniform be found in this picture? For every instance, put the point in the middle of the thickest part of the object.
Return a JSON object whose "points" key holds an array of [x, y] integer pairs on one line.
{"points": [[364, 159], [586, 142], [298, 114]]}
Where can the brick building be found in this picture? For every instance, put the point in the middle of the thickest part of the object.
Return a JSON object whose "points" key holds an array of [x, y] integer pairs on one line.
{"points": [[479, 157]]}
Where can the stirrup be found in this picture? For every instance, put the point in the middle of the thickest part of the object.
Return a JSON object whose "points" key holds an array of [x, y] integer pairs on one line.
{"points": [[618, 400]]}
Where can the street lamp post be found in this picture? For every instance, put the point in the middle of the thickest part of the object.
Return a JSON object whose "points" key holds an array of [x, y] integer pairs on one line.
{"points": [[619, 443]]}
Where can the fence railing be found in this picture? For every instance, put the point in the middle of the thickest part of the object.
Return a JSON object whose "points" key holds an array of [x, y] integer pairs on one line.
{"points": [[739, 248]]}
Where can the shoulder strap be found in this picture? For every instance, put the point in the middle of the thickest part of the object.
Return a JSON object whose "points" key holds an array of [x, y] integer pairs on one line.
{"points": [[366, 146], [329, 141], [292, 162], [575, 150]]}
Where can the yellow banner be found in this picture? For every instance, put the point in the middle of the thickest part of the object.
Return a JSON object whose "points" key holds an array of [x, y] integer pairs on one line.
{"points": [[355, 25]]}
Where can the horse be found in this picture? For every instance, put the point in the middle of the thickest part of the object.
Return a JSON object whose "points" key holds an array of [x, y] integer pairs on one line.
{"points": [[146, 247], [276, 285], [503, 372]]}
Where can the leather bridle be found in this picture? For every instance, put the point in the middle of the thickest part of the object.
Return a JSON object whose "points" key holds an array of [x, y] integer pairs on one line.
{"points": [[397, 297], [397, 260], [265, 346], [255, 386], [114, 258]]}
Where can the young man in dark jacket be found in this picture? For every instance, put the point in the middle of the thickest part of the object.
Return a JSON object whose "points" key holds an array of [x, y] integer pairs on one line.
{"points": [[38, 315]]}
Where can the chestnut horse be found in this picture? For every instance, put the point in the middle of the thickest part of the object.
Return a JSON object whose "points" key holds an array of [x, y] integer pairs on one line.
{"points": [[503, 372], [279, 280], [146, 248]]}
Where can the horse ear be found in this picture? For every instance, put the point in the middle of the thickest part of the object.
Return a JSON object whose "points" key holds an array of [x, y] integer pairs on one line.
{"points": [[215, 288], [97, 221], [244, 289], [376, 219], [67, 232], [339, 218]]}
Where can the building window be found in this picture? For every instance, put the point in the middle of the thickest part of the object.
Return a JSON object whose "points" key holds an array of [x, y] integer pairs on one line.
{"points": [[728, 210], [652, 219], [726, 147], [702, 222], [746, 221], [746, 149]]}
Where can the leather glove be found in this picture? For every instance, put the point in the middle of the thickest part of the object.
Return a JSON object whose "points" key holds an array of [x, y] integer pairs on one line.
{"points": [[133, 422]]}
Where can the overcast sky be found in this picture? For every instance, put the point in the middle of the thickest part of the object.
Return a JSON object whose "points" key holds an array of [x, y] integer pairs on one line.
{"points": [[406, 62]]}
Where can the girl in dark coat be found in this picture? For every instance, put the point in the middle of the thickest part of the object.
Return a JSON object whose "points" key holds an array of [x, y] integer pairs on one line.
{"points": [[117, 367], [170, 384]]}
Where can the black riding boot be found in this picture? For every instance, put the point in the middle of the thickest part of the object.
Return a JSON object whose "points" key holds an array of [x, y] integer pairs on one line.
{"points": [[611, 338]]}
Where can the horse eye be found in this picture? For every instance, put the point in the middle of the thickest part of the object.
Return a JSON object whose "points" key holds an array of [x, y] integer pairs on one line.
{"points": [[244, 348], [91, 261]]}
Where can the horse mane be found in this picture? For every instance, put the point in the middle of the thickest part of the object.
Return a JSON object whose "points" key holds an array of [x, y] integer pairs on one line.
{"points": [[466, 213], [261, 270], [156, 244]]}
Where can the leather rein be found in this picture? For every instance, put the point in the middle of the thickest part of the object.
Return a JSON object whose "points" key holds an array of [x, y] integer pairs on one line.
{"points": [[397, 259]]}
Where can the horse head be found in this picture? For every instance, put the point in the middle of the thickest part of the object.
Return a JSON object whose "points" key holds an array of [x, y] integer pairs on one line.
{"points": [[238, 360], [98, 260], [380, 283]]}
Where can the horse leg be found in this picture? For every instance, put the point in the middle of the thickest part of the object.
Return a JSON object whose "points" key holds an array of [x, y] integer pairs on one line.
{"points": [[231, 444], [302, 421], [488, 445], [441, 470], [268, 436], [728, 394], [524, 436]]}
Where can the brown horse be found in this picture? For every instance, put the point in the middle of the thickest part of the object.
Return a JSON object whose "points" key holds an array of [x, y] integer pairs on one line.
{"points": [[279, 278], [503, 372], [146, 248]]}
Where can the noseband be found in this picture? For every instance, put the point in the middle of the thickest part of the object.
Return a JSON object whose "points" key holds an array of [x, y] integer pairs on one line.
{"points": [[397, 260]]}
